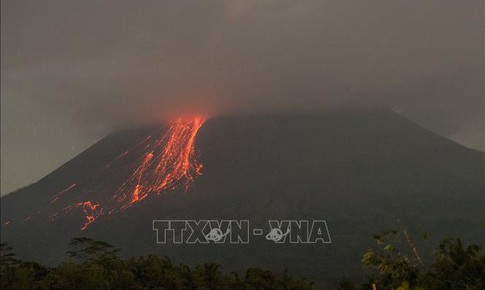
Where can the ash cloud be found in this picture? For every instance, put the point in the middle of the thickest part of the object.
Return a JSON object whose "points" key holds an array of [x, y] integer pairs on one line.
{"points": [[99, 65]]}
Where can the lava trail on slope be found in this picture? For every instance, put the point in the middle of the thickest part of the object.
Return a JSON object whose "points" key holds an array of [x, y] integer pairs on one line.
{"points": [[169, 161]]}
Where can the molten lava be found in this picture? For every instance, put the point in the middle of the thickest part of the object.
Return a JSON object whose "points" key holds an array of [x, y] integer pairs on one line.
{"points": [[90, 209], [168, 162], [60, 194]]}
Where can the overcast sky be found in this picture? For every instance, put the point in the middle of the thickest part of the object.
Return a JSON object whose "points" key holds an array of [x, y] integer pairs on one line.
{"points": [[72, 71]]}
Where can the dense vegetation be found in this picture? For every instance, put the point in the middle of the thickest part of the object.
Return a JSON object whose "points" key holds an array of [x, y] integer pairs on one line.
{"points": [[95, 265], [397, 264]]}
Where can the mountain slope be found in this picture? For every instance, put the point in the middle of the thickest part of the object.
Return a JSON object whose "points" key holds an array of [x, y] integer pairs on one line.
{"points": [[359, 170]]}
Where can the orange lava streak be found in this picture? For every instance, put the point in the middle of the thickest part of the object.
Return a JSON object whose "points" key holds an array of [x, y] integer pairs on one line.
{"points": [[90, 209], [91, 212], [170, 161], [57, 196]]}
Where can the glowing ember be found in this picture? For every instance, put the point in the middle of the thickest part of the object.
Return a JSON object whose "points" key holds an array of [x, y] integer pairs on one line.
{"points": [[168, 162]]}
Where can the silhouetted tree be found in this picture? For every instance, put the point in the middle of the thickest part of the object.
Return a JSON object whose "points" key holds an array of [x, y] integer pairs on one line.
{"points": [[84, 249], [394, 266], [456, 267]]}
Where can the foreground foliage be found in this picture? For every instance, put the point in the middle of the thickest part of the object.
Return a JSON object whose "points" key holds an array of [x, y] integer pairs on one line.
{"points": [[95, 265], [455, 266], [394, 263]]}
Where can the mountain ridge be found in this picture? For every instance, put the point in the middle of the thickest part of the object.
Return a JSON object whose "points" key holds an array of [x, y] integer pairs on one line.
{"points": [[357, 169]]}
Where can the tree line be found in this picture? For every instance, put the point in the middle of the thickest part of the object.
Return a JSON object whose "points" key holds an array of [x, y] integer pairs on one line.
{"points": [[393, 263]]}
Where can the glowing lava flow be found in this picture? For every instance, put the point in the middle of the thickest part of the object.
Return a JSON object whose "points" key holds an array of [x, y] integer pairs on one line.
{"points": [[169, 161], [60, 194], [90, 209]]}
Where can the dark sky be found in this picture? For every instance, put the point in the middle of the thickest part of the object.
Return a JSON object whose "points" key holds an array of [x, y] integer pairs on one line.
{"points": [[73, 71]]}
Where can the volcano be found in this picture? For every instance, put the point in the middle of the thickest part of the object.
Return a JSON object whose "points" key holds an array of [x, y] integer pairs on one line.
{"points": [[360, 170]]}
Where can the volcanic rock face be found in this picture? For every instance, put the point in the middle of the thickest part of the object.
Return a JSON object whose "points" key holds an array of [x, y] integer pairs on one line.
{"points": [[358, 170]]}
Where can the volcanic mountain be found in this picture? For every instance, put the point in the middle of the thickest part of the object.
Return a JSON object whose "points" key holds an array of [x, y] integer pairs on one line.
{"points": [[360, 170]]}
